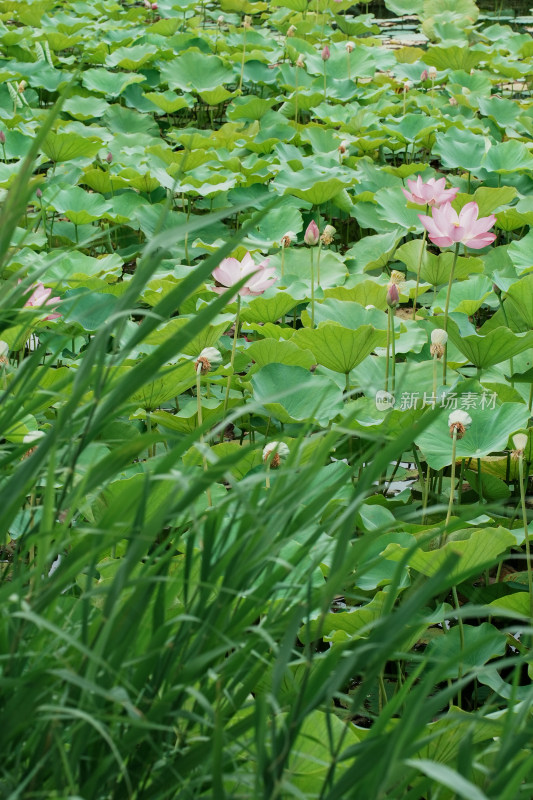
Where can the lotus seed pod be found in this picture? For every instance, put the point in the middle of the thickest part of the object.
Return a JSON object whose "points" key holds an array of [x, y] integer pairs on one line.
{"points": [[281, 451], [439, 336], [210, 358], [397, 277], [288, 238], [459, 421], [327, 234], [291, 31], [300, 61], [520, 441], [350, 47], [432, 73], [220, 21], [453, 101], [247, 21]]}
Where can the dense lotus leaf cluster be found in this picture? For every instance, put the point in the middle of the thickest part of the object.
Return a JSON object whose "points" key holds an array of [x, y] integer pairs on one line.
{"points": [[380, 177]]}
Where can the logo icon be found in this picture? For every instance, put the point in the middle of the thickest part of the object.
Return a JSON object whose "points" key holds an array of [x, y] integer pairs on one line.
{"points": [[384, 400]]}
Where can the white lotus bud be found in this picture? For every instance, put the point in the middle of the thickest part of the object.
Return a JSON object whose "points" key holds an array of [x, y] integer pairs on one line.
{"points": [[520, 442], [279, 451], [210, 358]]}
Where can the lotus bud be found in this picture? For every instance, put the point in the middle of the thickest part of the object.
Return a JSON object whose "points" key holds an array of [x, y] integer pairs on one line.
{"points": [[393, 295], [281, 451], [247, 21], [2, 137], [221, 21], [39, 194], [350, 47], [291, 31], [459, 421], [432, 73], [300, 61], [325, 53], [424, 75], [496, 289], [520, 442], [210, 358], [312, 234], [327, 234], [154, 6], [453, 101], [109, 158], [147, 4], [288, 238]]}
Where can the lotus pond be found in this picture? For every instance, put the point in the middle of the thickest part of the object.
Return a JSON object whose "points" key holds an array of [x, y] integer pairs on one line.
{"points": [[267, 381]]}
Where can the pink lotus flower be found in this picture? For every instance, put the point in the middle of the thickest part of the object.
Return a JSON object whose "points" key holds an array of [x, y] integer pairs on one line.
{"points": [[445, 227], [325, 53], [431, 193], [231, 270], [312, 234], [41, 297]]}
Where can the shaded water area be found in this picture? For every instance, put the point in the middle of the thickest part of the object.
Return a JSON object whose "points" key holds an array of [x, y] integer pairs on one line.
{"points": [[505, 9]]}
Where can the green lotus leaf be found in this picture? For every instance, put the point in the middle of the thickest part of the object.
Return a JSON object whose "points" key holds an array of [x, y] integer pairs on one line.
{"points": [[188, 71], [393, 208], [268, 309], [112, 84], [80, 207], [511, 156], [519, 298], [488, 199], [366, 293], [489, 431], [436, 269], [458, 148], [465, 296], [454, 57], [293, 394], [298, 267], [337, 348], [84, 108], [87, 310], [374, 252], [348, 314], [521, 254], [207, 338], [67, 146], [169, 102], [132, 57], [484, 351], [250, 108], [308, 185], [474, 645], [272, 351]]}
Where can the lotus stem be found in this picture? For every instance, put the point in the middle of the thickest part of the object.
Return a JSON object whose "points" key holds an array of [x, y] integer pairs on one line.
{"points": [[479, 481], [242, 60], [349, 66], [388, 352], [200, 423], [296, 96], [425, 496], [318, 262], [526, 532], [418, 269], [312, 289], [282, 261], [435, 362], [393, 350], [233, 348], [446, 307], [504, 312], [325, 87], [452, 481]]}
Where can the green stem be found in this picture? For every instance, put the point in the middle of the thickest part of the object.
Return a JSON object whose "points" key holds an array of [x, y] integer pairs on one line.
{"points": [[526, 532], [312, 289], [325, 89], [418, 269], [282, 262], [242, 60], [461, 639], [388, 353], [452, 481], [435, 362], [479, 481], [200, 423], [446, 307], [318, 263], [296, 97], [393, 350], [504, 312], [233, 348]]}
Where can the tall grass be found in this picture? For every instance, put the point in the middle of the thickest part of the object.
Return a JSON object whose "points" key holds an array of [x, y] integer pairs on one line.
{"points": [[155, 647]]}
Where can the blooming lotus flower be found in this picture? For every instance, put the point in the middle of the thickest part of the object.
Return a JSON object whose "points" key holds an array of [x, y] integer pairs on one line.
{"points": [[520, 442], [312, 234], [41, 297], [231, 270], [430, 193], [446, 227]]}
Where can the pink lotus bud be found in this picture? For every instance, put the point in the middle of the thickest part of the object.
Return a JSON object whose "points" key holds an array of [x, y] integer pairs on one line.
{"points": [[39, 193], [424, 75], [2, 137], [109, 158], [154, 6], [325, 53], [393, 295], [147, 4], [496, 289], [312, 234]]}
